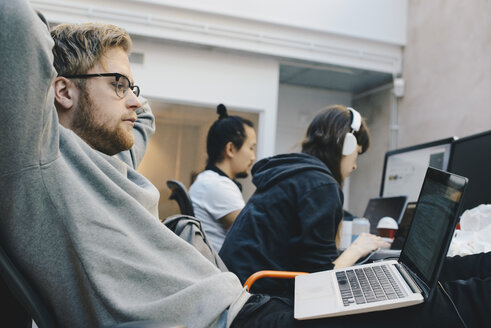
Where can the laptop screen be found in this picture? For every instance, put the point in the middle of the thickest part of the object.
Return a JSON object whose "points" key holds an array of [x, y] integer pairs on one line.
{"points": [[379, 207], [433, 224]]}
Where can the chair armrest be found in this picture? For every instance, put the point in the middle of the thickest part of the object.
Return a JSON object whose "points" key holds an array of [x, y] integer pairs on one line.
{"points": [[271, 274]]}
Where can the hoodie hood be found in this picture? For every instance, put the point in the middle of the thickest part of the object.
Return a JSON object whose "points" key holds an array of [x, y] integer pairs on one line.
{"points": [[271, 170]]}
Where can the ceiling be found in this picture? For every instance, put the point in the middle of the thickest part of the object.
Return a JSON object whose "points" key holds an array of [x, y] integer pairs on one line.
{"points": [[337, 78]]}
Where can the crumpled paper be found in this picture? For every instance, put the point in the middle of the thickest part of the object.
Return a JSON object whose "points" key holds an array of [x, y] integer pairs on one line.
{"points": [[474, 235]]}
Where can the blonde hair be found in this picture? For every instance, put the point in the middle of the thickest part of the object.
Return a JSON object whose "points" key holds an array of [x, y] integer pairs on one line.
{"points": [[79, 47]]}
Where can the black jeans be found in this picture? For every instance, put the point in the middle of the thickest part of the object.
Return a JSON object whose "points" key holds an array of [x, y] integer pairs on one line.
{"points": [[467, 280]]}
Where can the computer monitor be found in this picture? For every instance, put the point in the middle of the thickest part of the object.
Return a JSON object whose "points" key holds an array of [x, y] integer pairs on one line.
{"points": [[471, 157], [405, 168], [379, 207]]}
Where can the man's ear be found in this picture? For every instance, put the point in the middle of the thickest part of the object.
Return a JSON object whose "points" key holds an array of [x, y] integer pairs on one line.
{"points": [[65, 93], [230, 149]]}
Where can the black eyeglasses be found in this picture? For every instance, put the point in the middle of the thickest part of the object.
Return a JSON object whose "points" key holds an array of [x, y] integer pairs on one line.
{"points": [[121, 86]]}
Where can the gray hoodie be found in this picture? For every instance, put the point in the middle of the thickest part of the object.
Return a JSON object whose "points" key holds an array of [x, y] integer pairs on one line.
{"points": [[81, 225]]}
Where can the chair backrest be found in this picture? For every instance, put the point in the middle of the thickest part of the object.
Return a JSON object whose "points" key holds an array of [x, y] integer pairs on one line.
{"points": [[180, 194], [24, 303], [189, 228]]}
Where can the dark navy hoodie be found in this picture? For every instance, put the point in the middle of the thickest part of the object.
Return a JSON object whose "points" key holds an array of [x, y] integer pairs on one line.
{"points": [[289, 223]]}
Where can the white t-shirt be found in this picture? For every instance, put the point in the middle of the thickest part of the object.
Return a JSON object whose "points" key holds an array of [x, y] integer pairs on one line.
{"points": [[213, 197]]}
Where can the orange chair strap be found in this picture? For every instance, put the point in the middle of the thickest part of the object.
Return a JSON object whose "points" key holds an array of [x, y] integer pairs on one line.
{"points": [[271, 274]]}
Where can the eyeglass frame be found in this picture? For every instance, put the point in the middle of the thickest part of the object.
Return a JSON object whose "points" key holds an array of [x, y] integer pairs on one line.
{"points": [[117, 76]]}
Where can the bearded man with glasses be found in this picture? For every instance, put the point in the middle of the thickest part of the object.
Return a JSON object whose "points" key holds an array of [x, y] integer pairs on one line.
{"points": [[93, 93], [81, 223]]}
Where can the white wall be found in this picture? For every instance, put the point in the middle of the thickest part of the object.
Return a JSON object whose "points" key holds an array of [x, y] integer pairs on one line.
{"points": [[350, 33], [297, 106], [447, 68], [205, 78], [382, 20]]}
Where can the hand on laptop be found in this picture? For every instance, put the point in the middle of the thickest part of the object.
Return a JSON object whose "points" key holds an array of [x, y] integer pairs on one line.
{"points": [[364, 244]]}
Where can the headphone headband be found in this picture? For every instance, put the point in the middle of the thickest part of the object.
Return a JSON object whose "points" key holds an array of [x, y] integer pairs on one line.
{"points": [[355, 119], [350, 143]]}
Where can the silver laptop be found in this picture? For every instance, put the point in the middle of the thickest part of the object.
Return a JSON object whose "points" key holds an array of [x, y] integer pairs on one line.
{"points": [[391, 284]]}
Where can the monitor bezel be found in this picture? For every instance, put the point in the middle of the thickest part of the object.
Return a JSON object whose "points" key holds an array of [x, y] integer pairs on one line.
{"points": [[464, 139]]}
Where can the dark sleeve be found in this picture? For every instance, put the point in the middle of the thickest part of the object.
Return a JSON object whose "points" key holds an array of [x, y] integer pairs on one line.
{"points": [[319, 212], [466, 267]]}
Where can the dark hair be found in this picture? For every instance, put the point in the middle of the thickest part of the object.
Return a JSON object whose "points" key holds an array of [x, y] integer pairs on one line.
{"points": [[225, 129], [325, 136]]}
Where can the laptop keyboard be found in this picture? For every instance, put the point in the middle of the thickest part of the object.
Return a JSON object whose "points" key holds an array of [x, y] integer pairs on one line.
{"points": [[368, 285]]}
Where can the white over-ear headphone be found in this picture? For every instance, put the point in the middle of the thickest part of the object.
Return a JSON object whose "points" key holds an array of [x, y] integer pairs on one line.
{"points": [[350, 143]]}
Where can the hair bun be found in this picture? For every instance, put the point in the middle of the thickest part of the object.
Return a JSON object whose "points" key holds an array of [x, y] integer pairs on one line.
{"points": [[222, 111]]}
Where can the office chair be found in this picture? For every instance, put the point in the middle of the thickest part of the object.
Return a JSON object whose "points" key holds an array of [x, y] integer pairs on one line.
{"points": [[24, 302], [180, 194]]}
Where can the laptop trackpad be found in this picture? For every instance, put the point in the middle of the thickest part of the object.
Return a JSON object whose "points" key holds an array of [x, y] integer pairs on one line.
{"points": [[314, 294]]}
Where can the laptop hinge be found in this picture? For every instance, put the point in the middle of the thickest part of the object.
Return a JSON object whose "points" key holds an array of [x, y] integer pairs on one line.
{"points": [[410, 281]]}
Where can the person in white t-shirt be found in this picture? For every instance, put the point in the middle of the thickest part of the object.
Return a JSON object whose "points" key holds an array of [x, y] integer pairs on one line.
{"points": [[216, 196]]}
